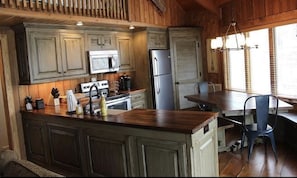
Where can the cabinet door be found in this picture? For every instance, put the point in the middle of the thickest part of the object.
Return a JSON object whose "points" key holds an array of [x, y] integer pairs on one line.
{"points": [[107, 154], [157, 40], [36, 141], [73, 54], [101, 41], [44, 54], [205, 151], [126, 55], [152, 153], [65, 149]]}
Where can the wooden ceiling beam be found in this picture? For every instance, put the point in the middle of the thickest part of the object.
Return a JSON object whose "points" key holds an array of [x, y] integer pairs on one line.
{"points": [[209, 5]]}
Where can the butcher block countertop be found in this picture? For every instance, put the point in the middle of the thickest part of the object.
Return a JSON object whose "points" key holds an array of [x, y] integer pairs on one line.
{"points": [[174, 121]]}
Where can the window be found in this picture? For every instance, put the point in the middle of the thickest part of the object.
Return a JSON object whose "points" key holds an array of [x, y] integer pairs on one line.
{"points": [[260, 63], [250, 72], [286, 60], [257, 71]]}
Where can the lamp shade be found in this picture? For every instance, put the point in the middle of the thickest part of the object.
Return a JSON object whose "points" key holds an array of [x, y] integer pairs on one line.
{"points": [[216, 43]]}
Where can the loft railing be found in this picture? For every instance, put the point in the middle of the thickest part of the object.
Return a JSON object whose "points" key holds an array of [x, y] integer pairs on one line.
{"points": [[112, 9]]}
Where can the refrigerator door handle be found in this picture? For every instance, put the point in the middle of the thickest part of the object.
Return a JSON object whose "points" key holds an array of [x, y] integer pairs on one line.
{"points": [[158, 89], [156, 66]]}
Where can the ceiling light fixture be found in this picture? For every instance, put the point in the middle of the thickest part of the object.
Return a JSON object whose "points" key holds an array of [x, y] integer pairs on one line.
{"points": [[79, 23], [131, 27], [237, 41]]}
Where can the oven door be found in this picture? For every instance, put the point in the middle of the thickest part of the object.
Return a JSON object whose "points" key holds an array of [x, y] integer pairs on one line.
{"points": [[123, 103]]}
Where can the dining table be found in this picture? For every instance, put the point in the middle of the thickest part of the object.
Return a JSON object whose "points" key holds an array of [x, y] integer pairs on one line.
{"points": [[229, 104]]}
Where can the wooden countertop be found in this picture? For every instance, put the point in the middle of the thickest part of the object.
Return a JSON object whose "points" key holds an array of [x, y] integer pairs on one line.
{"points": [[174, 121]]}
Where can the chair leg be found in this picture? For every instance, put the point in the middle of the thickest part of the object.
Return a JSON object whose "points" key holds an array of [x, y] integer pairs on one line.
{"points": [[272, 140], [242, 140], [250, 146]]}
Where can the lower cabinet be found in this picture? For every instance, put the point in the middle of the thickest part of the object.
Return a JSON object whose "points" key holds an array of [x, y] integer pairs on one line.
{"points": [[65, 148], [152, 153], [75, 147], [106, 154], [36, 140], [138, 99]]}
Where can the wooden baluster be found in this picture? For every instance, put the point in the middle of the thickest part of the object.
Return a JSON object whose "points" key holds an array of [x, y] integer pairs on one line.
{"points": [[92, 4], [119, 9], [37, 5], [55, 4], [79, 7], [99, 8], [113, 8], [3, 2], [43, 5], [125, 5], [60, 6], [49, 5], [96, 8], [31, 6], [25, 4], [75, 7], [73, 4], [90, 7], [12, 4], [65, 6], [102, 10], [107, 8]]}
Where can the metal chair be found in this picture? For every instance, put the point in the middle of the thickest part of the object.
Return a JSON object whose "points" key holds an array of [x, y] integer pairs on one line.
{"points": [[203, 89], [264, 121]]}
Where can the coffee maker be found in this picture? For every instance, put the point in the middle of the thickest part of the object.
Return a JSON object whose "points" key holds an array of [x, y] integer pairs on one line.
{"points": [[125, 82]]}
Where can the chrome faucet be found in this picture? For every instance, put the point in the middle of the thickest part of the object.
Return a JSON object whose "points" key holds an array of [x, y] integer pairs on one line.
{"points": [[90, 98]]}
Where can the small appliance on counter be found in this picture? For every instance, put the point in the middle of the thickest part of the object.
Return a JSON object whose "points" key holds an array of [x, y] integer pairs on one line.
{"points": [[125, 82], [39, 103], [71, 102]]}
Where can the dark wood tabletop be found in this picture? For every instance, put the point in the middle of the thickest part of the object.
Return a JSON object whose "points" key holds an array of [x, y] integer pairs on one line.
{"points": [[229, 102], [164, 120]]}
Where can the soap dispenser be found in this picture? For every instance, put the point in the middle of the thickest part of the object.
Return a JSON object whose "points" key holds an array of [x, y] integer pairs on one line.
{"points": [[103, 106]]}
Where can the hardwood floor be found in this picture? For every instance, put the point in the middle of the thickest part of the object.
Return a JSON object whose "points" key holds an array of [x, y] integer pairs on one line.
{"points": [[236, 164]]}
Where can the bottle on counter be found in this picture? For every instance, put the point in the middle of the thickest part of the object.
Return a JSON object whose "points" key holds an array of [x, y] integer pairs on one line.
{"points": [[103, 106], [79, 109]]}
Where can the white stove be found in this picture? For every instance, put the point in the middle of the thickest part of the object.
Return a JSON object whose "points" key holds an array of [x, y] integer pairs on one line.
{"points": [[118, 101]]}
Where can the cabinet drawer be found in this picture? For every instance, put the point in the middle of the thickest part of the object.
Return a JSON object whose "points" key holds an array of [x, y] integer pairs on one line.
{"points": [[137, 97], [139, 105]]}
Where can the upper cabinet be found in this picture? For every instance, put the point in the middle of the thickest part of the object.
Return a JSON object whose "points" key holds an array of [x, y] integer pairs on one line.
{"points": [[46, 55], [126, 53], [101, 40], [157, 39]]}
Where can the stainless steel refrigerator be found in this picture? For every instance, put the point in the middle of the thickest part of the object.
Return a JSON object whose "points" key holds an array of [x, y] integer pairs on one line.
{"points": [[161, 77]]}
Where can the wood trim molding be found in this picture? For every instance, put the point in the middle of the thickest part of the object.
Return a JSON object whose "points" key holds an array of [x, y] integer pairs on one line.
{"points": [[160, 4]]}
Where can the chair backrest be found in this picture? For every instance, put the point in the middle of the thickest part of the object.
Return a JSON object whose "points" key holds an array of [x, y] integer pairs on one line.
{"points": [[202, 87], [266, 106]]}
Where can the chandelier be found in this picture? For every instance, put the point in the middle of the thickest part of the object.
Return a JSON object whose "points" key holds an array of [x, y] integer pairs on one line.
{"points": [[236, 41]]}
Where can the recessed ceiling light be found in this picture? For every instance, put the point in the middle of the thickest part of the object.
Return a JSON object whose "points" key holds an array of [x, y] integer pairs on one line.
{"points": [[79, 23], [131, 27]]}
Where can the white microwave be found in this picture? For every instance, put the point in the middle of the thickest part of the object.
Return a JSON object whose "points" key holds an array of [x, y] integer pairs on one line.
{"points": [[104, 61]]}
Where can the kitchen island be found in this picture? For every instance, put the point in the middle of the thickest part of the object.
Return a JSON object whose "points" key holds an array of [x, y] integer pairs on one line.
{"points": [[139, 142]]}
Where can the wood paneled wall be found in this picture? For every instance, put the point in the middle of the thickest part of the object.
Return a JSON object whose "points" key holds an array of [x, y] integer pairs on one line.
{"points": [[249, 14], [44, 90], [145, 11], [255, 14]]}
